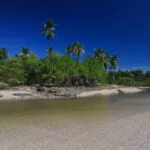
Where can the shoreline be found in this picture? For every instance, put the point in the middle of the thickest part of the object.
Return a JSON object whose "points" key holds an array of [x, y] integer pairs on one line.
{"points": [[27, 93]]}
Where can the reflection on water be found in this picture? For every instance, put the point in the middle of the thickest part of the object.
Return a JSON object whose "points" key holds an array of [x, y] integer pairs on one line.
{"points": [[51, 106], [50, 111]]}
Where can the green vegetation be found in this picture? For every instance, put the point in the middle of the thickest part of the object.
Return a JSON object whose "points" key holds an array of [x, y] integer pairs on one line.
{"points": [[133, 77], [26, 68]]}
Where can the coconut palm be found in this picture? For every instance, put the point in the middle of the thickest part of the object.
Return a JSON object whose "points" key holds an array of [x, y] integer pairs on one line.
{"points": [[106, 61], [77, 50], [99, 52], [48, 30], [114, 63], [25, 51], [101, 56], [69, 50]]}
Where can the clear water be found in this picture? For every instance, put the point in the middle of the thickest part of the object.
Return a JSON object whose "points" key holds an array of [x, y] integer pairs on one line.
{"points": [[54, 111]]}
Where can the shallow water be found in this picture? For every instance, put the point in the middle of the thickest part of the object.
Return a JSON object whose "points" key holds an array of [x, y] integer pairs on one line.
{"points": [[53, 111], [92, 123]]}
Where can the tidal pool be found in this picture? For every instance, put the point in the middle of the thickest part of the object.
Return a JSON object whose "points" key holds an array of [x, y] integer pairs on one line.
{"points": [[56, 112]]}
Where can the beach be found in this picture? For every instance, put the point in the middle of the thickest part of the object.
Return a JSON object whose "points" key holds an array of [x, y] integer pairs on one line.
{"points": [[104, 124], [24, 93]]}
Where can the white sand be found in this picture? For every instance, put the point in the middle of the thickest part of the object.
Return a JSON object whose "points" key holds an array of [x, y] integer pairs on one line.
{"points": [[129, 133], [100, 92], [109, 91], [8, 95], [130, 90]]}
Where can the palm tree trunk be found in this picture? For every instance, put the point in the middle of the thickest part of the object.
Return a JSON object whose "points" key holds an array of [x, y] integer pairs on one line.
{"points": [[77, 60], [113, 74], [49, 57]]}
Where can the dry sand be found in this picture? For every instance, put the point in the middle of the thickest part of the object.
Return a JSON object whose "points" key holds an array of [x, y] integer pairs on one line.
{"points": [[130, 133], [24, 95], [29, 94], [110, 91], [130, 90]]}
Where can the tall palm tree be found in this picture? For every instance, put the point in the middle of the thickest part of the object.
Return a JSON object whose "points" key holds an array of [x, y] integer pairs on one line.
{"points": [[69, 50], [100, 55], [114, 63], [25, 51], [103, 57], [78, 50], [48, 30], [99, 52], [106, 61]]}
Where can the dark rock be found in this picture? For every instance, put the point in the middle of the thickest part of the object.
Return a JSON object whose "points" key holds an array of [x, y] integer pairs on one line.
{"points": [[79, 80], [40, 88], [51, 85], [53, 90], [22, 94], [93, 83]]}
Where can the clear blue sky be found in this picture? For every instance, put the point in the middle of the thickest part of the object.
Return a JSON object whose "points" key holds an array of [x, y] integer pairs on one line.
{"points": [[120, 26]]}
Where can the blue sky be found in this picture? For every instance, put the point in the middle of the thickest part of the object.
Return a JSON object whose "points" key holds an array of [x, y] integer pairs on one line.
{"points": [[121, 27]]}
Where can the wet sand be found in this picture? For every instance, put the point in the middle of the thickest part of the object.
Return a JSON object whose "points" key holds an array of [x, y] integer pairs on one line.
{"points": [[109, 123]]}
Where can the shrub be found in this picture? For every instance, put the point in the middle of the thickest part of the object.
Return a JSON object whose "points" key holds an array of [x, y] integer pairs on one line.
{"points": [[14, 82], [126, 81], [3, 85]]}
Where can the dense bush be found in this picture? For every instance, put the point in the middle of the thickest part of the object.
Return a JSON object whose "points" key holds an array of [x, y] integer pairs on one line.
{"points": [[127, 81], [29, 69], [3, 85], [14, 82]]}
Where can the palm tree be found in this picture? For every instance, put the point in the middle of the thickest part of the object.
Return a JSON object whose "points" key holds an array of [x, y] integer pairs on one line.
{"points": [[100, 55], [25, 51], [69, 50], [77, 50], [114, 63], [103, 57], [106, 61], [3, 53], [48, 30], [99, 52]]}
